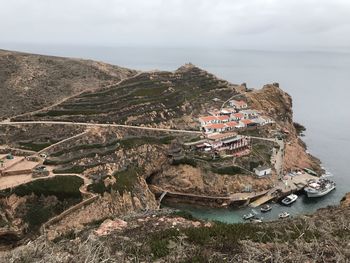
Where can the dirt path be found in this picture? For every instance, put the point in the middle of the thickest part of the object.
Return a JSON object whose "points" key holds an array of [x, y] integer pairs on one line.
{"points": [[98, 125]]}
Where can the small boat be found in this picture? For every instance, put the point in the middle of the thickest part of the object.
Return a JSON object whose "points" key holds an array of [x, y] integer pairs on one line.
{"points": [[265, 208], [248, 216], [283, 215], [289, 199], [318, 188]]}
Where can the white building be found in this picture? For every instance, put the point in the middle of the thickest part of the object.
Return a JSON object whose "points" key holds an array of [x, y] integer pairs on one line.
{"points": [[207, 120], [238, 104], [262, 171]]}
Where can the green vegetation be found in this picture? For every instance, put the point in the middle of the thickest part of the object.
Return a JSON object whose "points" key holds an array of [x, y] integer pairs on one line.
{"points": [[186, 161], [159, 242], [34, 146], [230, 170], [264, 151], [156, 91], [99, 187], [85, 154], [142, 96], [125, 182], [60, 186], [231, 234], [126, 179], [299, 128], [133, 142], [38, 214], [184, 214], [85, 147]]}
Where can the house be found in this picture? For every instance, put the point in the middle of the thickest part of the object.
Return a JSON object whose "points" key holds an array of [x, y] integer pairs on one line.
{"points": [[250, 114], [262, 171], [236, 116], [216, 127], [214, 113], [246, 123], [238, 104], [227, 111], [260, 121], [207, 120], [223, 118], [231, 125]]}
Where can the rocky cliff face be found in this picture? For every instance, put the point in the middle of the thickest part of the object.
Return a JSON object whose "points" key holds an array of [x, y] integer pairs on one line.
{"points": [[278, 104], [274, 101]]}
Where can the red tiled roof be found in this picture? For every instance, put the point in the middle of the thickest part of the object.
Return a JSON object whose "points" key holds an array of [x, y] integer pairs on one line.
{"points": [[239, 102], [246, 122], [223, 118], [208, 118], [216, 126], [238, 115], [231, 124]]}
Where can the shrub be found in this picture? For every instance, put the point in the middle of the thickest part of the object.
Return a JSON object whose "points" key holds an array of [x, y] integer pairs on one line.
{"points": [[186, 161], [230, 170], [60, 186]]}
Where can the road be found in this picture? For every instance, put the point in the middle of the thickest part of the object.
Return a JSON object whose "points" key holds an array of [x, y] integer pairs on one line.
{"points": [[6, 122]]}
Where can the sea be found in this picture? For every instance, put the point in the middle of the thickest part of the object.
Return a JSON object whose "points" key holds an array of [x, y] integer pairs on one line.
{"points": [[318, 81]]}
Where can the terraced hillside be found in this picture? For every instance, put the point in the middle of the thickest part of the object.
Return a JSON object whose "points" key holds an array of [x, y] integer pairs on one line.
{"points": [[30, 82], [36, 138], [167, 98]]}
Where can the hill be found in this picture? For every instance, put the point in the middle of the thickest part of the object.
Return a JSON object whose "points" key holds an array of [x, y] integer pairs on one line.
{"points": [[151, 98], [30, 82]]}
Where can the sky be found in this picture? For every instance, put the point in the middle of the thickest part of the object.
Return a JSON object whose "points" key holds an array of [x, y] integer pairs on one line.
{"points": [[244, 24]]}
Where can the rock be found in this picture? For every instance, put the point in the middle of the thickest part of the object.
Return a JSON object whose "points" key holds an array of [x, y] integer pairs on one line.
{"points": [[110, 225]]}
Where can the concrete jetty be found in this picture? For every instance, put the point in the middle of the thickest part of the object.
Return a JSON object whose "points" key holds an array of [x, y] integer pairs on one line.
{"points": [[289, 184]]}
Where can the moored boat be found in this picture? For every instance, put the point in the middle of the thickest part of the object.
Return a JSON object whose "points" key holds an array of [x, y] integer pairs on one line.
{"points": [[265, 208], [284, 215], [318, 188], [289, 199], [248, 216]]}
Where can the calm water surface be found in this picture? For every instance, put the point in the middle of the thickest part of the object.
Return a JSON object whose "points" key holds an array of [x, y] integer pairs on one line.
{"points": [[319, 83]]}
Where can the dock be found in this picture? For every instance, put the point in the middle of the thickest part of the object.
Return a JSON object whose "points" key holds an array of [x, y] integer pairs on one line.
{"points": [[287, 186]]}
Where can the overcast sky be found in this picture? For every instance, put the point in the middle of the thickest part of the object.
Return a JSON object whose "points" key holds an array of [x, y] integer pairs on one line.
{"points": [[258, 24]]}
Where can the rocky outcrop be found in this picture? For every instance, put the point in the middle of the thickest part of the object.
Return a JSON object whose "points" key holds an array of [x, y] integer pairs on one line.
{"points": [[278, 104]]}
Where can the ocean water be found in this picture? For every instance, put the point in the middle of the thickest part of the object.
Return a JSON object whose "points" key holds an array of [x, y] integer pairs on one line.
{"points": [[319, 83]]}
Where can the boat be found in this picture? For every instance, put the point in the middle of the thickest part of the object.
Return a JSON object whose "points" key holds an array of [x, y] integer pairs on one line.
{"points": [[289, 199], [320, 187], [248, 216], [284, 215], [265, 208]]}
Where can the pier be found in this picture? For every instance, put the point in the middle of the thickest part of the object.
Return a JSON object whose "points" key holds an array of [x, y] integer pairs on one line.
{"points": [[284, 187]]}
